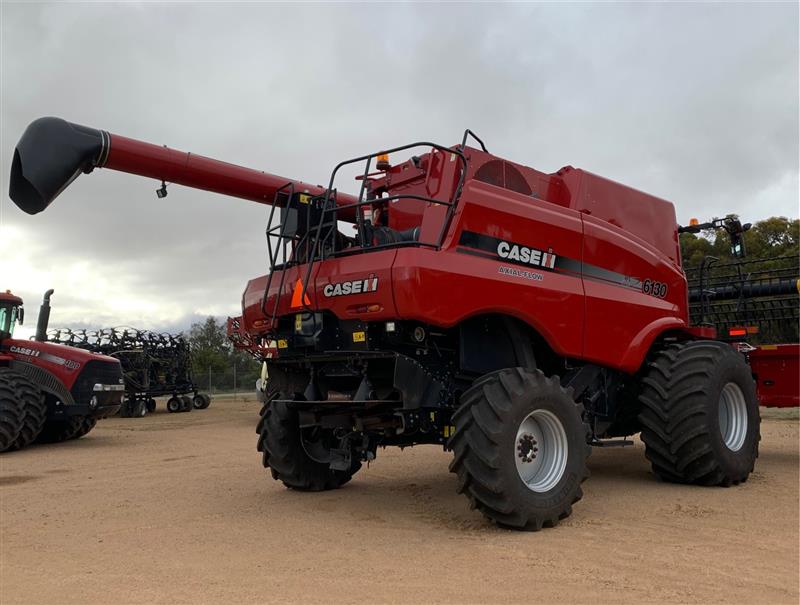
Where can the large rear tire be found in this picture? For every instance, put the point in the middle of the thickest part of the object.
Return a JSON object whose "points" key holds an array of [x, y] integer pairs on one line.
{"points": [[12, 410], [280, 441], [520, 448], [700, 418]]}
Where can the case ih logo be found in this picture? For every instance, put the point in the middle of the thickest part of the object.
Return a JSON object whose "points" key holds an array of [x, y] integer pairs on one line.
{"points": [[345, 288], [525, 255], [25, 351]]}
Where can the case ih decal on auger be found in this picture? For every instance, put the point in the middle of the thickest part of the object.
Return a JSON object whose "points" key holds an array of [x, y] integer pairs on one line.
{"points": [[517, 318], [153, 365], [49, 392]]}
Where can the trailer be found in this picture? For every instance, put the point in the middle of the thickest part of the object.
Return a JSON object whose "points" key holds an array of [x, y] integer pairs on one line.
{"points": [[153, 365]]}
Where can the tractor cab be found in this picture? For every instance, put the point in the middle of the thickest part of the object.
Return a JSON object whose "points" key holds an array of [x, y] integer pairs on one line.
{"points": [[11, 311]]}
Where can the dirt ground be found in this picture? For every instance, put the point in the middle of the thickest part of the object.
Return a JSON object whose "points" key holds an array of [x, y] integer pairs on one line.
{"points": [[176, 508]]}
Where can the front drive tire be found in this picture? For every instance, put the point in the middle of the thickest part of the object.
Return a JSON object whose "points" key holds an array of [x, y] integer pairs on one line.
{"points": [[73, 427], [12, 412], [520, 448], [700, 418], [279, 439], [33, 407]]}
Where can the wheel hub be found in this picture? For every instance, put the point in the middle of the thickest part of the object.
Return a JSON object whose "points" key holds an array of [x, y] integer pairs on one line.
{"points": [[732, 416], [526, 447], [541, 450]]}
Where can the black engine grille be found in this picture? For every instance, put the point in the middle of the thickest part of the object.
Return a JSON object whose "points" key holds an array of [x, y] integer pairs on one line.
{"points": [[95, 372]]}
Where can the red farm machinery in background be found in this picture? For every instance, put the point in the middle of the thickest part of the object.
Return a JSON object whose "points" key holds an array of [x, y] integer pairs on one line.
{"points": [[754, 301], [50, 392], [514, 317]]}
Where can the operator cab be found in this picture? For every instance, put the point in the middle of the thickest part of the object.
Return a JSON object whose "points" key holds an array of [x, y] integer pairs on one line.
{"points": [[11, 311], [406, 204]]}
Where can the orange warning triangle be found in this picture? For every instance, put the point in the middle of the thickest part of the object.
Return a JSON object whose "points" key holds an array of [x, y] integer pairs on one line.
{"points": [[298, 300]]}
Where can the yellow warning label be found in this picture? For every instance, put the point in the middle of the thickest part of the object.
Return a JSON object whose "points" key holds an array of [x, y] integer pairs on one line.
{"points": [[304, 198], [282, 344], [298, 322], [359, 337]]}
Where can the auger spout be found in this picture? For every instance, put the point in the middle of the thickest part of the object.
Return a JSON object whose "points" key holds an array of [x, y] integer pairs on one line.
{"points": [[53, 152]]}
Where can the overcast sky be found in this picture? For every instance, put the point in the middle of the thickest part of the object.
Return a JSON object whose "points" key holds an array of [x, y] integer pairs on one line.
{"points": [[696, 103]]}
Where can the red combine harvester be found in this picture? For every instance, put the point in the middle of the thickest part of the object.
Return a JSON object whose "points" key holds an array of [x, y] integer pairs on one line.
{"points": [[515, 317], [50, 392]]}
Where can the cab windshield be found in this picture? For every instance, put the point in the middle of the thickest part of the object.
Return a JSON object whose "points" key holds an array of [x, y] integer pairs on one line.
{"points": [[8, 319]]}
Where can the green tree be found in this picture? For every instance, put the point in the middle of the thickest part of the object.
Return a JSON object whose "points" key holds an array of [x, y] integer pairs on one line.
{"points": [[215, 360], [766, 240], [210, 349]]}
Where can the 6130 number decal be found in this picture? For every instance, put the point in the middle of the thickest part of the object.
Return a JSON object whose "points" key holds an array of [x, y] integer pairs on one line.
{"points": [[654, 288]]}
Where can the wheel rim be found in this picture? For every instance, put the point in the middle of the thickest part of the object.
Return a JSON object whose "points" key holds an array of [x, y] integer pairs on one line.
{"points": [[541, 450], [732, 416]]}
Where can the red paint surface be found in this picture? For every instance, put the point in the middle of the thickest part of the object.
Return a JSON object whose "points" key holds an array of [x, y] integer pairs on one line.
{"points": [[199, 172], [777, 372], [64, 362], [573, 213]]}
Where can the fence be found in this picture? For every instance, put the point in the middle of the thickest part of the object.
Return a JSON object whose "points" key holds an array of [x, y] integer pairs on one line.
{"points": [[235, 378]]}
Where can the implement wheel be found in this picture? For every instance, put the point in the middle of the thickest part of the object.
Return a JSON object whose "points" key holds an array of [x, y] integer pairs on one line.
{"points": [[280, 439], [520, 448], [700, 418], [201, 401], [174, 404], [140, 408]]}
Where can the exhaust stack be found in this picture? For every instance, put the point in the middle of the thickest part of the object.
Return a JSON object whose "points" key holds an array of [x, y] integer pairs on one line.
{"points": [[53, 152], [44, 318]]}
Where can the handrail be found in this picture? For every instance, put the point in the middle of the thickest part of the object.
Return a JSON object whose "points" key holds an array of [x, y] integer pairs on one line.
{"points": [[361, 201]]}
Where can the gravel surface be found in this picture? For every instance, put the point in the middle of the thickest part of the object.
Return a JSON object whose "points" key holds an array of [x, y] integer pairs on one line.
{"points": [[176, 508]]}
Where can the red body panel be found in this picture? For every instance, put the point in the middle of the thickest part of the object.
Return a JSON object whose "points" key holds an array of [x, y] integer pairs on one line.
{"points": [[616, 286], [65, 363], [777, 372], [608, 340]]}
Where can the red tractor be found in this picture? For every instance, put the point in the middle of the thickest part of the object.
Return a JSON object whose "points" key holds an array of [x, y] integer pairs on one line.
{"points": [[50, 392], [515, 317]]}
